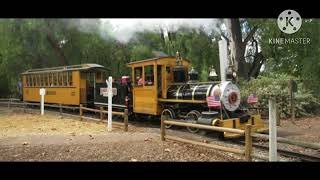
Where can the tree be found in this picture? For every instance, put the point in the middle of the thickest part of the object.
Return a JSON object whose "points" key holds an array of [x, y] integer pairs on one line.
{"points": [[238, 47]]}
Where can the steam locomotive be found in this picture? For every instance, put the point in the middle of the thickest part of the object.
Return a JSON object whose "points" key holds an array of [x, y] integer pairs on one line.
{"points": [[169, 86]]}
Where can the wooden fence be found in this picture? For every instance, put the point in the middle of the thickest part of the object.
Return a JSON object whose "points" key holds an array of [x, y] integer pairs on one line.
{"points": [[247, 151], [102, 115], [14, 102]]}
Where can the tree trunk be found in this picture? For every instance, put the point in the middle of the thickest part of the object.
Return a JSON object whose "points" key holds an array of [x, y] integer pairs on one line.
{"points": [[238, 48]]}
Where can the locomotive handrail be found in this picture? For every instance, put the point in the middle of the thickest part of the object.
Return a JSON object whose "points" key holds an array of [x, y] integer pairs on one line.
{"points": [[191, 83]]}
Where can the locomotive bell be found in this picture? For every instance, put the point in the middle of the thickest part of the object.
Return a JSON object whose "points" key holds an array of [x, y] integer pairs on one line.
{"points": [[193, 75], [213, 75]]}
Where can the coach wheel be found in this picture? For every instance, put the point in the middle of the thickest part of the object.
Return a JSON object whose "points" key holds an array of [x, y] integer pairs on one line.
{"points": [[170, 113], [192, 117]]}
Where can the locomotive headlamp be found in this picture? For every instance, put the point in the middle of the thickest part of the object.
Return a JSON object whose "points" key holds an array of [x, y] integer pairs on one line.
{"points": [[229, 95]]}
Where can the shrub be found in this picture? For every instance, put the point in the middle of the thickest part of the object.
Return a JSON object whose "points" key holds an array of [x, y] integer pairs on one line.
{"points": [[277, 86]]}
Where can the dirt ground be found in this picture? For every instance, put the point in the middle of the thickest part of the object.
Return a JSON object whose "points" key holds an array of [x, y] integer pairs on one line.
{"points": [[31, 137], [304, 129]]}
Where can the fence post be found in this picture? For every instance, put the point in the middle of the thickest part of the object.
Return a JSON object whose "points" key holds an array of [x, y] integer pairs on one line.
{"points": [[101, 114], [9, 104], [24, 107], [248, 142], [163, 133], [81, 112], [278, 114], [60, 108], [292, 100], [272, 131], [126, 120]]}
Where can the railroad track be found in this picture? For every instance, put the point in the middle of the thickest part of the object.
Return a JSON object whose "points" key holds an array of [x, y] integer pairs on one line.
{"points": [[286, 153], [302, 157]]}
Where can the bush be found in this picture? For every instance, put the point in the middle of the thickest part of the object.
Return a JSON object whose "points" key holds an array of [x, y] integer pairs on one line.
{"points": [[277, 86]]}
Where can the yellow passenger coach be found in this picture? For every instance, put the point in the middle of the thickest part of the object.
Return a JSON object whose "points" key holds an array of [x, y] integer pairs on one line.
{"points": [[67, 85]]}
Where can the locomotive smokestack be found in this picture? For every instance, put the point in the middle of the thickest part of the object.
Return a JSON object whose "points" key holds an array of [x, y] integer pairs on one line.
{"points": [[223, 55], [179, 72]]}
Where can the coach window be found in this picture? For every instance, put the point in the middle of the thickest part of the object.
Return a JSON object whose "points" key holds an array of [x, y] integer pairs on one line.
{"points": [[37, 79], [98, 77], [55, 79], [26, 83], [50, 79], [42, 80], [138, 76], [70, 78], [46, 82], [60, 76], [64, 79], [31, 80], [34, 80], [148, 75]]}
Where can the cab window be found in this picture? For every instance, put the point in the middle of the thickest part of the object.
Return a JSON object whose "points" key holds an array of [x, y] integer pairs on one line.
{"points": [[148, 75], [138, 81]]}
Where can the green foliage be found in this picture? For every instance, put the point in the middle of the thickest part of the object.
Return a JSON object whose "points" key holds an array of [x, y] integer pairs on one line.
{"points": [[24, 45], [277, 86], [139, 52], [300, 60]]}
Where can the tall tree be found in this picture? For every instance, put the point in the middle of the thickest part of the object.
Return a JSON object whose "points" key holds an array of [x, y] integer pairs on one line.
{"points": [[238, 46]]}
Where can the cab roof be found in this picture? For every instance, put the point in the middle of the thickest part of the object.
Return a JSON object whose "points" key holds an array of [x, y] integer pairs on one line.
{"points": [[154, 59]]}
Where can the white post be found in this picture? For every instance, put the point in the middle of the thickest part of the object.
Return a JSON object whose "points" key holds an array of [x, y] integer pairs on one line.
{"points": [[223, 55], [109, 83], [272, 130], [42, 93]]}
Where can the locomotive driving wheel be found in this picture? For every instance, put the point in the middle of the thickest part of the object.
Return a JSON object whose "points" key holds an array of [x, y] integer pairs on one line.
{"points": [[170, 113], [192, 117]]}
